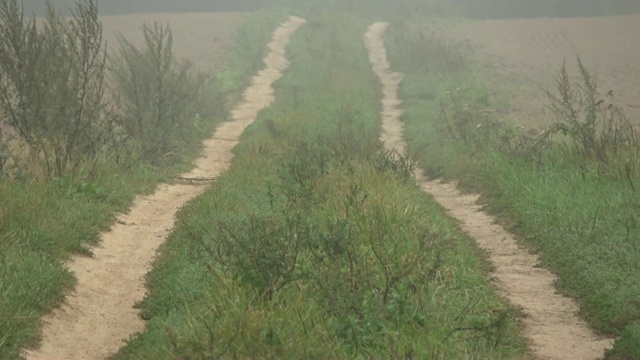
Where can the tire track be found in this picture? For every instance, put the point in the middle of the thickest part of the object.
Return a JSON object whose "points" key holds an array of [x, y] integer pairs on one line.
{"points": [[553, 329], [99, 315]]}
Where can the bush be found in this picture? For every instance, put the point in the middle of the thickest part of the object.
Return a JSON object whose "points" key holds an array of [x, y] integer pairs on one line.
{"points": [[52, 86], [158, 94]]}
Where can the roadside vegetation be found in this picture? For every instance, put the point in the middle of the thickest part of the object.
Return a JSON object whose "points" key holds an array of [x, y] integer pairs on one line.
{"points": [[570, 193], [317, 243], [83, 131]]}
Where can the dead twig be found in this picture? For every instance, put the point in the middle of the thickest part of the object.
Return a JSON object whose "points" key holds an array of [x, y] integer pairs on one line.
{"points": [[194, 179]]}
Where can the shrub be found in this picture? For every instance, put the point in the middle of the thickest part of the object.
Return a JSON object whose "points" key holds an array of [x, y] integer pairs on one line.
{"points": [[597, 127], [158, 94], [52, 86]]}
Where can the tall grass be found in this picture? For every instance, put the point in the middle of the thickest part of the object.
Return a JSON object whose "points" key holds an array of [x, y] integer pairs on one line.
{"points": [[316, 243], [570, 193]]}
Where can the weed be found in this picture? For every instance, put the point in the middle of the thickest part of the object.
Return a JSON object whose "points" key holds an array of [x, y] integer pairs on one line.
{"points": [[597, 127], [53, 85], [468, 123], [158, 94]]}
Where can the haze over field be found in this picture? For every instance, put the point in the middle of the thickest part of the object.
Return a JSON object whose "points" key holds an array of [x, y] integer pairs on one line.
{"points": [[335, 223], [469, 8], [116, 7]]}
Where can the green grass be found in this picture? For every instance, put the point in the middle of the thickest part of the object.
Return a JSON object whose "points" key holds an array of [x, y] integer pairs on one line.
{"points": [[250, 45], [40, 225], [43, 223], [316, 243], [579, 213]]}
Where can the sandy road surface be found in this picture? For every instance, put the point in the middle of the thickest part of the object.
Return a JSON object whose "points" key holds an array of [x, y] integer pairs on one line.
{"points": [[100, 314], [552, 327]]}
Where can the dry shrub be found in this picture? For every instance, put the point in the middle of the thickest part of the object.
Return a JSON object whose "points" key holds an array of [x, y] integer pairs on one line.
{"points": [[596, 126], [159, 95], [52, 86]]}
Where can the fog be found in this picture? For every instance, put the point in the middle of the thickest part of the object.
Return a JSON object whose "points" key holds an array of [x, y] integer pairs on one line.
{"points": [[538, 8], [486, 9], [117, 7]]}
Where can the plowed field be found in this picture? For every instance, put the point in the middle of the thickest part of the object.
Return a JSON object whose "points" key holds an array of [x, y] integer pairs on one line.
{"points": [[204, 39], [524, 55]]}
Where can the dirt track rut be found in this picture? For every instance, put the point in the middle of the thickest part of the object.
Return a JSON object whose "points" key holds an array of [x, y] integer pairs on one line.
{"points": [[552, 327], [99, 315]]}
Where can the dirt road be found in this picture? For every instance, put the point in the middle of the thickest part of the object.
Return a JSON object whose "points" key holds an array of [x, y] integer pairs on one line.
{"points": [[552, 327], [100, 314]]}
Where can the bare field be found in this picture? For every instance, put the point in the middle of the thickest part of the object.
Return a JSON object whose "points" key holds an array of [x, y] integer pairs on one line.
{"points": [[205, 39], [524, 55]]}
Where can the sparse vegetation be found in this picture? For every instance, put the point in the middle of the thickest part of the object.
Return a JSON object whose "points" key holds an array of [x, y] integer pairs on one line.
{"points": [[599, 132]]}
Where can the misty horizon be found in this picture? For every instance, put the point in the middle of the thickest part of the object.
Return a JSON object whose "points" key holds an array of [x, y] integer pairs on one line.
{"points": [[121, 7], [487, 9]]}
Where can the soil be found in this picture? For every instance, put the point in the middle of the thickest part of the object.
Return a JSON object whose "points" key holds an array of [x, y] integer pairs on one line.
{"points": [[100, 314], [528, 53], [204, 39], [551, 325]]}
